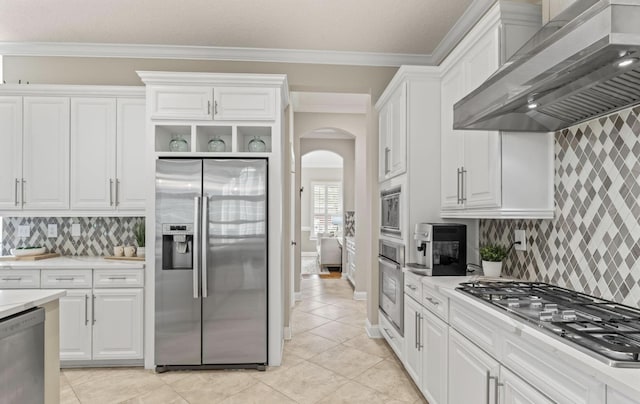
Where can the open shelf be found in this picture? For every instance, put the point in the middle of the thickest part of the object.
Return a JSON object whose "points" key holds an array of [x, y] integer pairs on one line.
{"points": [[246, 133], [164, 134], [205, 133]]}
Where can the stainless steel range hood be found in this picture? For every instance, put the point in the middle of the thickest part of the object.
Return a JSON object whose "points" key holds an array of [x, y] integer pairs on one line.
{"points": [[582, 64]]}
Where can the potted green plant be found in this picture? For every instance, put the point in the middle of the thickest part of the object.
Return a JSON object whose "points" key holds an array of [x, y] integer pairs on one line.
{"points": [[139, 233], [492, 256]]}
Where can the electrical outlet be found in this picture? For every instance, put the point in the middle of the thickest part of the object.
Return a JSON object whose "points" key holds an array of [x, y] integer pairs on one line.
{"points": [[24, 231], [52, 230], [75, 230], [521, 236]]}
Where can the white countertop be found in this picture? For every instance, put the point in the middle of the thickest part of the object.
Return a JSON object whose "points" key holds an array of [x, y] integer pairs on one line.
{"points": [[626, 381], [72, 262], [13, 301]]}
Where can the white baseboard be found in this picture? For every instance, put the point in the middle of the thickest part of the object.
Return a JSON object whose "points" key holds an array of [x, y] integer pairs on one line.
{"points": [[344, 276], [359, 295], [373, 331], [298, 296], [308, 254], [287, 333]]}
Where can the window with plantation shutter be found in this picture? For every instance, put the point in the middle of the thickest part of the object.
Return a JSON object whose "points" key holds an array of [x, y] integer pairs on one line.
{"points": [[326, 203]]}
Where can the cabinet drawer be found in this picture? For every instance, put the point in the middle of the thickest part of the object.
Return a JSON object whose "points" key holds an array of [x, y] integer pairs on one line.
{"points": [[476, 327], [394, 339], [19, 279], [118, 278], [413, 286], [435, 302], [615, 397], [65, 278]]}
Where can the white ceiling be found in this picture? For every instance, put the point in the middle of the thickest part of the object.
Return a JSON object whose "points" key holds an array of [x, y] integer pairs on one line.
{"points": [[381, 26], [321, 159]]}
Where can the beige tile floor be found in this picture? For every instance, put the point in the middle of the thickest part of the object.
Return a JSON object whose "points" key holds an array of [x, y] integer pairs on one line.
{"points": [[330, 359]]}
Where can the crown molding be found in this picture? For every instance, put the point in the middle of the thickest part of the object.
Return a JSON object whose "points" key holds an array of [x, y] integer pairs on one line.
{"points": [[408, 73], [72, 90], [142, 51]]}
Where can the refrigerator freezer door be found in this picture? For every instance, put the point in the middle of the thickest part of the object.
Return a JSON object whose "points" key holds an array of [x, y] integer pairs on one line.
{"points": [[178, 312], [234, 315]]}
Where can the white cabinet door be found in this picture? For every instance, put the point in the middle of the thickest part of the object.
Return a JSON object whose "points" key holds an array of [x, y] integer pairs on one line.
{"points": [[117, 324], [130, 144], [517, 391], [478, 370], [384, 144], [93, 153], [75, 325], [452, 141], [181, 102], [46, 153], [413, 342], [398, 133], [244, 104], [10, 153], [615, 397], [435, 334]]}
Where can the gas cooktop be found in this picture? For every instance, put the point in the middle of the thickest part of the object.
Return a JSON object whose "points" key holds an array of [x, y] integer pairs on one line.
{"points": [[603, 329]]}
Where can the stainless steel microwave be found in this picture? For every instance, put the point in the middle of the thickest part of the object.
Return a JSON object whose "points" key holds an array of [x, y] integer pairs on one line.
{"points": [[390, 210]]}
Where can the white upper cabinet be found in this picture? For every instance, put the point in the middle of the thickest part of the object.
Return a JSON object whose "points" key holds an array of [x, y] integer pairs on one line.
{"points": [[10, 153], [491, 174], [130, 132], [181, 102], [46, 153], [93, 153], [393, 134], [244, 103]]}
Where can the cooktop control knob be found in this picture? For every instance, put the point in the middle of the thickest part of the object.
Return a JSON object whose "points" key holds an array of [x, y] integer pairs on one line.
{"points": [[546, 315], [569, 315], [536, 304], [513, 302], [551, 307]]}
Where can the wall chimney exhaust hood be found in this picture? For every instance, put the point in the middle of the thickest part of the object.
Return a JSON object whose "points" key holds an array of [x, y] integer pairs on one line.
{"points": [[582, 64]]}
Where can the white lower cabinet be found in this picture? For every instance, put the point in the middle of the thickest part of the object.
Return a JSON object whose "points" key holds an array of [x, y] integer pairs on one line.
{"points": [[477, 371], [517, 391], [435, 337], [615, 397], [75, 325], [117, 324], [412, 340]]}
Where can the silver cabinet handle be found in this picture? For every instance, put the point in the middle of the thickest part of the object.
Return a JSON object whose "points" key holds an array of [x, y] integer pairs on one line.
{"points": [[432, 301], [208, 107], [420, 346], [496, 386], [215, 108], [458, 185], [117, 278], [388, 333], [117, 192], [488, 386], [412, 287], [16, 191], [111, 191], [417, 346], [65, 278], [86, 309], [196, 245], [24, 200], [12, 279], [386, 160], [93, 309], [205, 243], [463, 191]]}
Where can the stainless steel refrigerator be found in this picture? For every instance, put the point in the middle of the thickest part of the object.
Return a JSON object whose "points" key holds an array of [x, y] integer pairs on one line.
{"points": [[211, 263]]}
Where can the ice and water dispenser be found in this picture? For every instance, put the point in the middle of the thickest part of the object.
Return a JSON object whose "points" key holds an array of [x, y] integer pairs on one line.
{"points": [[177, 246]]}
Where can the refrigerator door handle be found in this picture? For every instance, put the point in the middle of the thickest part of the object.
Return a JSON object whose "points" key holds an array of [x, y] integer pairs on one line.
{"points": [[196, 246], [205, 242]]}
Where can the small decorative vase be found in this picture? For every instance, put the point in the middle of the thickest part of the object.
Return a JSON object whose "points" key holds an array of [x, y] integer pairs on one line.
{"points": [[257, 145], [178, 144], [140, 252], [492, 269], [216, 145]]}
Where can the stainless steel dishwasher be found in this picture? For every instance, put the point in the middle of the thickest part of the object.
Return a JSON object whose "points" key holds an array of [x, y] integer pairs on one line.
{"points": [[22, 358]]}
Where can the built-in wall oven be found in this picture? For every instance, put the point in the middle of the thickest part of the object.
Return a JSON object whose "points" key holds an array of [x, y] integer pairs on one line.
{"points": [[390, 211], [391, 299]]}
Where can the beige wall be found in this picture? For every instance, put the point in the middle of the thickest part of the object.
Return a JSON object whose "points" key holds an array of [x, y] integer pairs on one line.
{"points": [[120, 71]]}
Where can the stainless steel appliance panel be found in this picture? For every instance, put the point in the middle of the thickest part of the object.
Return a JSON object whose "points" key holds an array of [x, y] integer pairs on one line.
{"points": [[234, 262], [390, 211], [178, 308], [22, 353], [392, 292]]}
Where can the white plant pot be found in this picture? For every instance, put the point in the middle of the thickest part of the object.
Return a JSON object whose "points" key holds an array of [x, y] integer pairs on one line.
{"points": [[140, 251], [492, 269]]}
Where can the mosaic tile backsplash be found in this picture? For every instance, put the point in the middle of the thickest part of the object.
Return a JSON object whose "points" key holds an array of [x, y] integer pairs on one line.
{"points": [[349, 223], [593, 243], [98, 235]]}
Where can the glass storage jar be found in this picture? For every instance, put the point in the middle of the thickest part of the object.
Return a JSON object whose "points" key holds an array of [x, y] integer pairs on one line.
{"points": [[178, 144], [257, 145], [216, 145]]}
